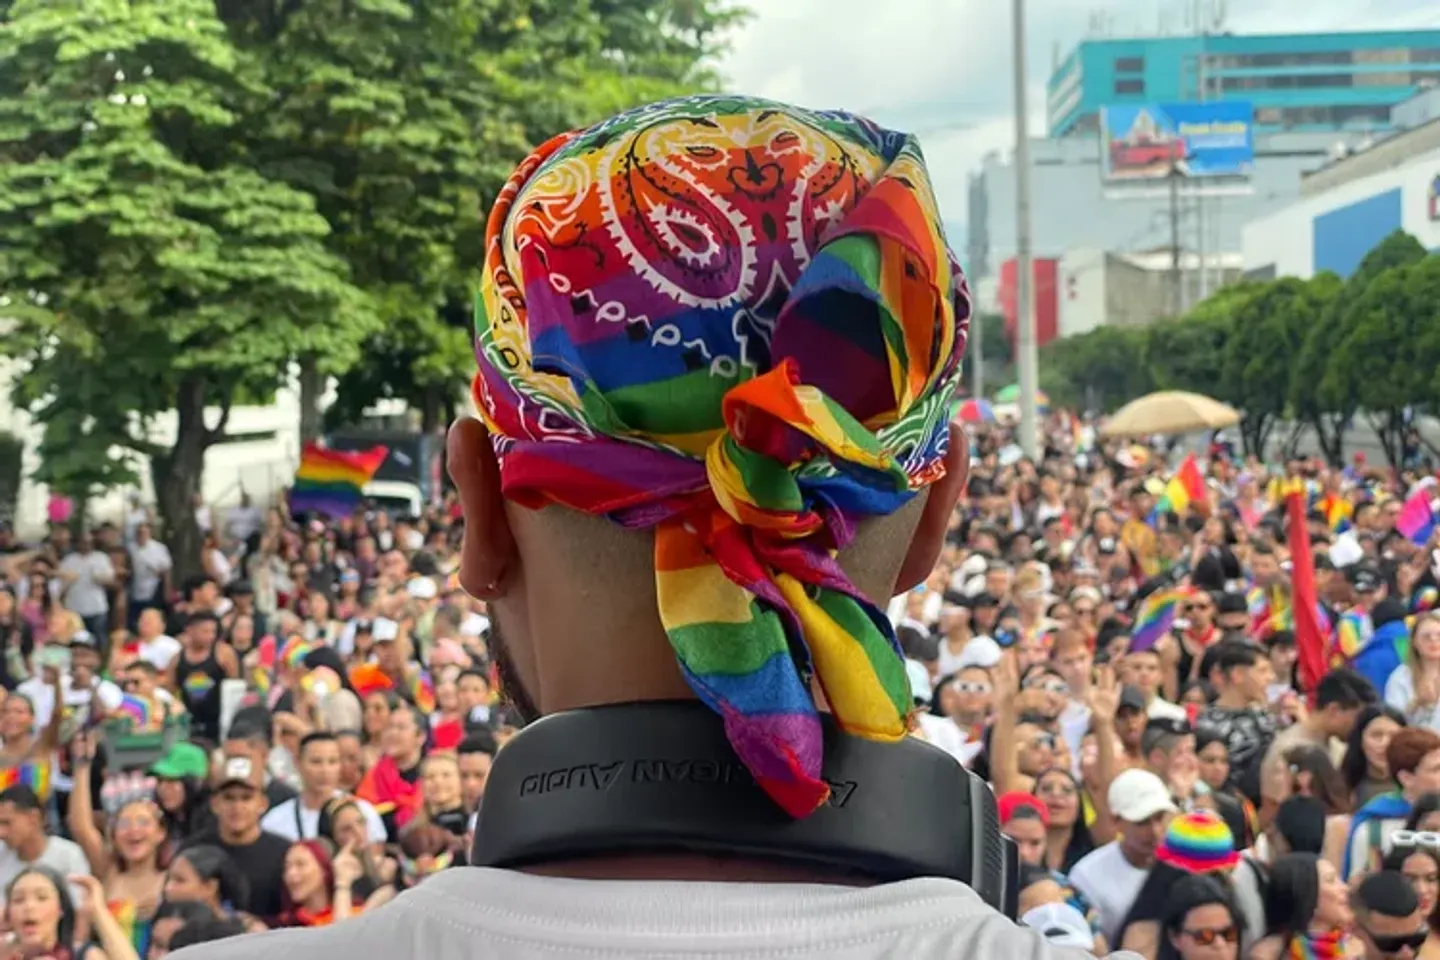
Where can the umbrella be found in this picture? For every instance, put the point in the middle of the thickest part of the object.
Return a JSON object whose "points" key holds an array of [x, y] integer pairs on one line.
{"points": [[1010, 396], [1170, 412], [976, 410]]}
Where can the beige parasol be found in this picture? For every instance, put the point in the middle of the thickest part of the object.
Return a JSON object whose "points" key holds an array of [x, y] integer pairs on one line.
{"points": [[1170, 412]]}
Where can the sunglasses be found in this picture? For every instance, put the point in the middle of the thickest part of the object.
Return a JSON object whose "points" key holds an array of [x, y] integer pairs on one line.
{"points": [[1209, 935], [971, 686], [1049, 686], [1196, 607], [1044, 741], [1396, 944]]}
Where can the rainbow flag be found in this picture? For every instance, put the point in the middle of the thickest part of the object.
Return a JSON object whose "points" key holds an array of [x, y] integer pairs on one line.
{"points": [[1156, 616], [330, 482], [143, 715], [1338, 512], [422, 690], [36, 776], [1187, 486], [136, 930]]}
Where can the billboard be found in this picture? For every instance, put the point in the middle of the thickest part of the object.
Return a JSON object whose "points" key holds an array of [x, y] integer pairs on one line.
{"points": [[1192, 140]]}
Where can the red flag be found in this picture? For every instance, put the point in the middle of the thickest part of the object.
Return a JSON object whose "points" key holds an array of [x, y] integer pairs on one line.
{"points": [[1304, 602]]}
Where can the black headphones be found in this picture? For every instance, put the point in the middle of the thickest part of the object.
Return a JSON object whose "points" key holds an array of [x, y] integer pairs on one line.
{"points": [[662, 776]]}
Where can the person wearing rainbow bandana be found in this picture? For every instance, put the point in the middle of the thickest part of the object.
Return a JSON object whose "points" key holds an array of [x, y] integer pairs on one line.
{"points": [[719, 343]]}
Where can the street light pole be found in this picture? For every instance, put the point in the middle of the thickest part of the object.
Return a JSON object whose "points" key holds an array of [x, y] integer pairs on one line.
{"points": [[1024, 265]]}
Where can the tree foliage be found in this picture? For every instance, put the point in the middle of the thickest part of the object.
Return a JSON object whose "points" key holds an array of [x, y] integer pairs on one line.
{"points": [[160, 269], [198, 195], [1311, 354]]}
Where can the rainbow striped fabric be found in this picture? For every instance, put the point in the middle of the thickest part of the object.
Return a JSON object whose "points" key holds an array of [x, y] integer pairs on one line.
{"points": [[736, 322], [1155, 617], [330, 482], [36, 776]]}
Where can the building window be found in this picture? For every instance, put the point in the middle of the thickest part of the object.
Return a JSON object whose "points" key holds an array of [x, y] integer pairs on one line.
{"points": [[1130, 87], [1129, 64]]}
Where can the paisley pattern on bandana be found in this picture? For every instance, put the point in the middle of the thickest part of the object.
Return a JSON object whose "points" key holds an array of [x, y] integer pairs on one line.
{"points": [[736, 322]]}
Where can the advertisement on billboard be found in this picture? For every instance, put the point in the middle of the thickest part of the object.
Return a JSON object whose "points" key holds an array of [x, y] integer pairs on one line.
{"points": [[1191, 140]]}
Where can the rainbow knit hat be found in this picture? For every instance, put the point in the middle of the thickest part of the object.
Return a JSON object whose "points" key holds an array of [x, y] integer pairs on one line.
{"points": [[1198, 842]]}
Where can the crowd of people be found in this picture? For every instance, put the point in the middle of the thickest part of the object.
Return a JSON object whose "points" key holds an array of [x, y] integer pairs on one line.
{"points": [[1191, 761], [287, 741], [339, 714]]}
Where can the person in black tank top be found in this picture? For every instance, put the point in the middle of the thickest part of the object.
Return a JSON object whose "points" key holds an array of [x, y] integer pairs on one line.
{"points": [[197, 672]]}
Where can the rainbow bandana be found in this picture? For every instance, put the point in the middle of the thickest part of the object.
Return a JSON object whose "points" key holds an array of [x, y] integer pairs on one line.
{"points": [[736, 322]]}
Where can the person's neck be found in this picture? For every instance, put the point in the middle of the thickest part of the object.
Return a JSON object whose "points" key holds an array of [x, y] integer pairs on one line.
{"points": [[407, 763], [20, 746], [317, 903], [32, 849], [1315, 725], [313, 798], [957, 638], [1232, 700], [242, 838], [1139, 862], [968, 720], [1057, 841]]}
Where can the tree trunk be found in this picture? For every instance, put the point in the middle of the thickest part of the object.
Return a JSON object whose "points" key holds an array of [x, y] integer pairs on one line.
{"points": [[431, 410], [1390, 429], [312, 387], [1331, 435], [177, 474]]}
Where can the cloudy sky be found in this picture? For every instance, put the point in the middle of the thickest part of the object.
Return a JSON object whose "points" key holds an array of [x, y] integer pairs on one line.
{"points": [[942, 67]]}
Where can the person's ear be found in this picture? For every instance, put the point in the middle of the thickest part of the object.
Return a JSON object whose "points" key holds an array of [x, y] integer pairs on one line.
{"points": [[940, 502], [487, 553]]}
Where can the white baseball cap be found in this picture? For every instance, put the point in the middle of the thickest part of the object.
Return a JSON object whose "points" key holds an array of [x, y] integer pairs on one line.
{"points": [[979, 652], [1061, 924], [1137, 795]]}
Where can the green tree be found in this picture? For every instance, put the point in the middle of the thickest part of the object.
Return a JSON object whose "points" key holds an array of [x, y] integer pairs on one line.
{"points": [[1323, 390], [996, 348], [1097, 370], [1268, 331], [472, 85], [1303, 391], [1188, 352], [1391, 350], [162, 273]]}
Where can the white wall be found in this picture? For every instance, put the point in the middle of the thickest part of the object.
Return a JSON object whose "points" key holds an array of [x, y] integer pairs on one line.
{"points": [[1285, 238], [1080, 301], [260, 467]]}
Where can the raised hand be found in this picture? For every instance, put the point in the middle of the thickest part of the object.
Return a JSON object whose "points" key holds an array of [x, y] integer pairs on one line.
{"points": [[1103, 698]]}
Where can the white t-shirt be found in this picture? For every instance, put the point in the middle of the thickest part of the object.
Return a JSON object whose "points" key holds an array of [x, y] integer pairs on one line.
{"points": [[42, 697], [474, 913], [60, 855], [242, 522], [159, 651], [293, 821], [941, 732], [1400, 690], [1110, 882], [148, 564], [85, 595]]}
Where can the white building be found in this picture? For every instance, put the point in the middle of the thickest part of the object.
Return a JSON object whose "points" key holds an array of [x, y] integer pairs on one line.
{"points": [[1351, 204]]}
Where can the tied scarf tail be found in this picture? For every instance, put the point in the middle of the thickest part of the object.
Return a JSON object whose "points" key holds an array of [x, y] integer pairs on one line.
{"points": [[754, 602]]}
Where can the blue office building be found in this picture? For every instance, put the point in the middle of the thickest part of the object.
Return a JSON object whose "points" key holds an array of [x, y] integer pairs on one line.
{"points": [[1296, 82]]}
